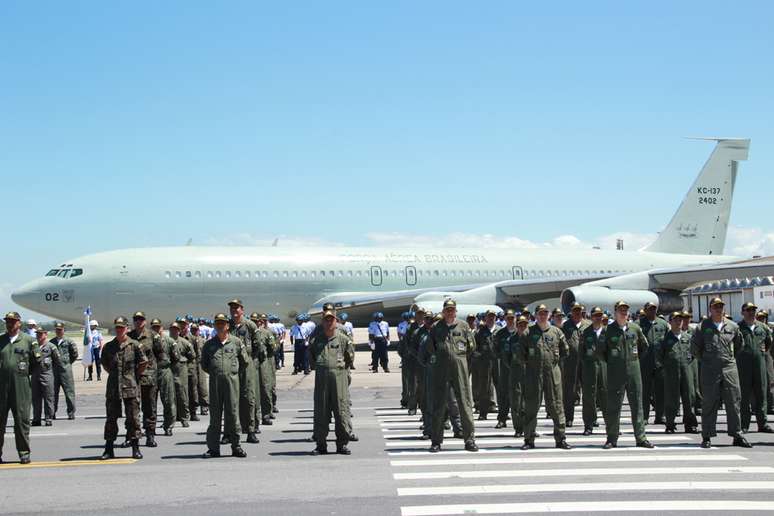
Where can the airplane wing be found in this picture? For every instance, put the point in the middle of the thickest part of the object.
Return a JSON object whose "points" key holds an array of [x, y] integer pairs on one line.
{"points": [[661, 286]]}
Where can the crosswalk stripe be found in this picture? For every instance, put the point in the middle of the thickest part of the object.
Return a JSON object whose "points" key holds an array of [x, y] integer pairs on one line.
{"points": [[586, 472], [577, 449], [496, 433], [729, 506], [576, 439], [655, 456], [629, 487]]}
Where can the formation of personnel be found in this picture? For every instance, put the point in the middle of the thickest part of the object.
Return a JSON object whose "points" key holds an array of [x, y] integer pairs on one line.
{"points": [[512, 364]]}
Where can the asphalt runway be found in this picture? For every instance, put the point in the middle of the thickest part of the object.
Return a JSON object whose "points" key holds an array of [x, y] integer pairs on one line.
{"points": [[389, 472]]}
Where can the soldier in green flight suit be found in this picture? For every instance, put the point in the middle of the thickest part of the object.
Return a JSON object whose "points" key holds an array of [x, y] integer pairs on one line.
{"points": [[620, 350], [763, 317], [449, 343], [541, 348], [411, 364], [695, 365], [180, 371], [193, 367], [674, 356], [572, 328], [166, 354], [43, 378], [18, 354], [655, 329], [125, 362], [517, 374], [247, 331], [263, 362], [751, 362], [502, 348], [223, 356], [63, 375], [332, 353], [148, 380], [716, 342], [592, 371], [482, 366]]}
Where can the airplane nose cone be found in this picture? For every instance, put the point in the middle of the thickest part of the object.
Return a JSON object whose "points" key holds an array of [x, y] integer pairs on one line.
{"points": [[26, 296]]}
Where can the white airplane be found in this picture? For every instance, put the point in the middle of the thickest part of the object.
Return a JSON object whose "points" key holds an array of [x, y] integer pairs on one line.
{"points": [[170, 281]]}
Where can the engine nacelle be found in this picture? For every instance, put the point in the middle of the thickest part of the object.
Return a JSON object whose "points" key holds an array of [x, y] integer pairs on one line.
{"points": [[590, 296]]}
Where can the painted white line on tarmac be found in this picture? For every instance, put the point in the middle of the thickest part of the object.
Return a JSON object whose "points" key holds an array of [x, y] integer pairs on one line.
{"points": [[586, 472], [505, 451], [591, 439], [728, 506], [702, 456]]}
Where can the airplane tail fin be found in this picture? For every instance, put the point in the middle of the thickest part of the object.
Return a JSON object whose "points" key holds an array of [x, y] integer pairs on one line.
{"points": [[700, 224]]}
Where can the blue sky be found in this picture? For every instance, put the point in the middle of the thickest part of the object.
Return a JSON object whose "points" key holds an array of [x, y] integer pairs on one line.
{"points": [[141, 124]]}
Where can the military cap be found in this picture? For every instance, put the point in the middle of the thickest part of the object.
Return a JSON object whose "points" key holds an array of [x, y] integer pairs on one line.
{"points": [[541, 308], [649, 305], [138, 315], [120, 322], [716, 301], [221, 318], [59, 326], [471, 316], [450, 303], [525, 311], [329, 313], [428, 313], [181, 321], [236, 301], [620, 304], [194, 327], [686, 314], [263, 317], [174, 325], [13, 316], [576, 306], [41, 329], [762, 313], [677, 315], [522, 319], [558, 311], [641, 312], [155, 322], [438, 317], [510, 313], [583, 308], [490, 312], [597, 311], [328, 307], [420, 310], [254, 316], [749, 306]]}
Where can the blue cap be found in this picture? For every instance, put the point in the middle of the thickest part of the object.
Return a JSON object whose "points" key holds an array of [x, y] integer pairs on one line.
{"points": [[344, 316]]}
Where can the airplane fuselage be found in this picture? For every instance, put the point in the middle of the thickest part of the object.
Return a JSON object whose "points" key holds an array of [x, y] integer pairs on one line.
{"points": [[171, 281]]}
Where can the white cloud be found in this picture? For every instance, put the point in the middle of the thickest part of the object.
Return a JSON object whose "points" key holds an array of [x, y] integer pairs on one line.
{"points": [[748, 242]]}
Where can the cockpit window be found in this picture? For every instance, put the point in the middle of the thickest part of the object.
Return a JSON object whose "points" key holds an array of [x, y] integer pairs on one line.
{"points": [[65, 273]]}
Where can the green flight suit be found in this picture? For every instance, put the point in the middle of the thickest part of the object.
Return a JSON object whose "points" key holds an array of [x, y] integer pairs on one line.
{"points": [[222, 361], [650, 370], [483, 363], [43, 382], [540, 352], [404, 374], [332, 357], [263, 366], [419, 339], [751, 362], [620, 351], [148, 381], [512, 346], [448, 346], [247, 331], [674, 356], [414, 373], [570, 366], [717, 349], [166, 354], [180, 372], [193, 372], [593, 374], [16, 362], [63, 375], [125, 363], [502, 349]]}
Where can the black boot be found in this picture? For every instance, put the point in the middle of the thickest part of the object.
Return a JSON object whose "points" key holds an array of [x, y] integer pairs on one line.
{"points": [[136, 454], [108, 453], [252, 438], [150, 441], [205, 411]]}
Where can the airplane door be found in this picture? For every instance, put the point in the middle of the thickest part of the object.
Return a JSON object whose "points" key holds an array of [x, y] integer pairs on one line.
{"points": [[517, 272], [411, 275], [376, 276]]}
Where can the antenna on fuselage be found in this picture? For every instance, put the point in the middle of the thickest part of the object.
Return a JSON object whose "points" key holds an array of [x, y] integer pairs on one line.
{"points": [[276, 241]]}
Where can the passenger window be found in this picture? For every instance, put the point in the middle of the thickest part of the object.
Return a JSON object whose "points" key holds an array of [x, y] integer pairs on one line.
{"points": [[228, 274], [209, 274], [284, 274], [247, 274], [198, 274], [275, 274], [236, 274], [217, 274], [188, 274], [178, 275], [167, 274]]}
